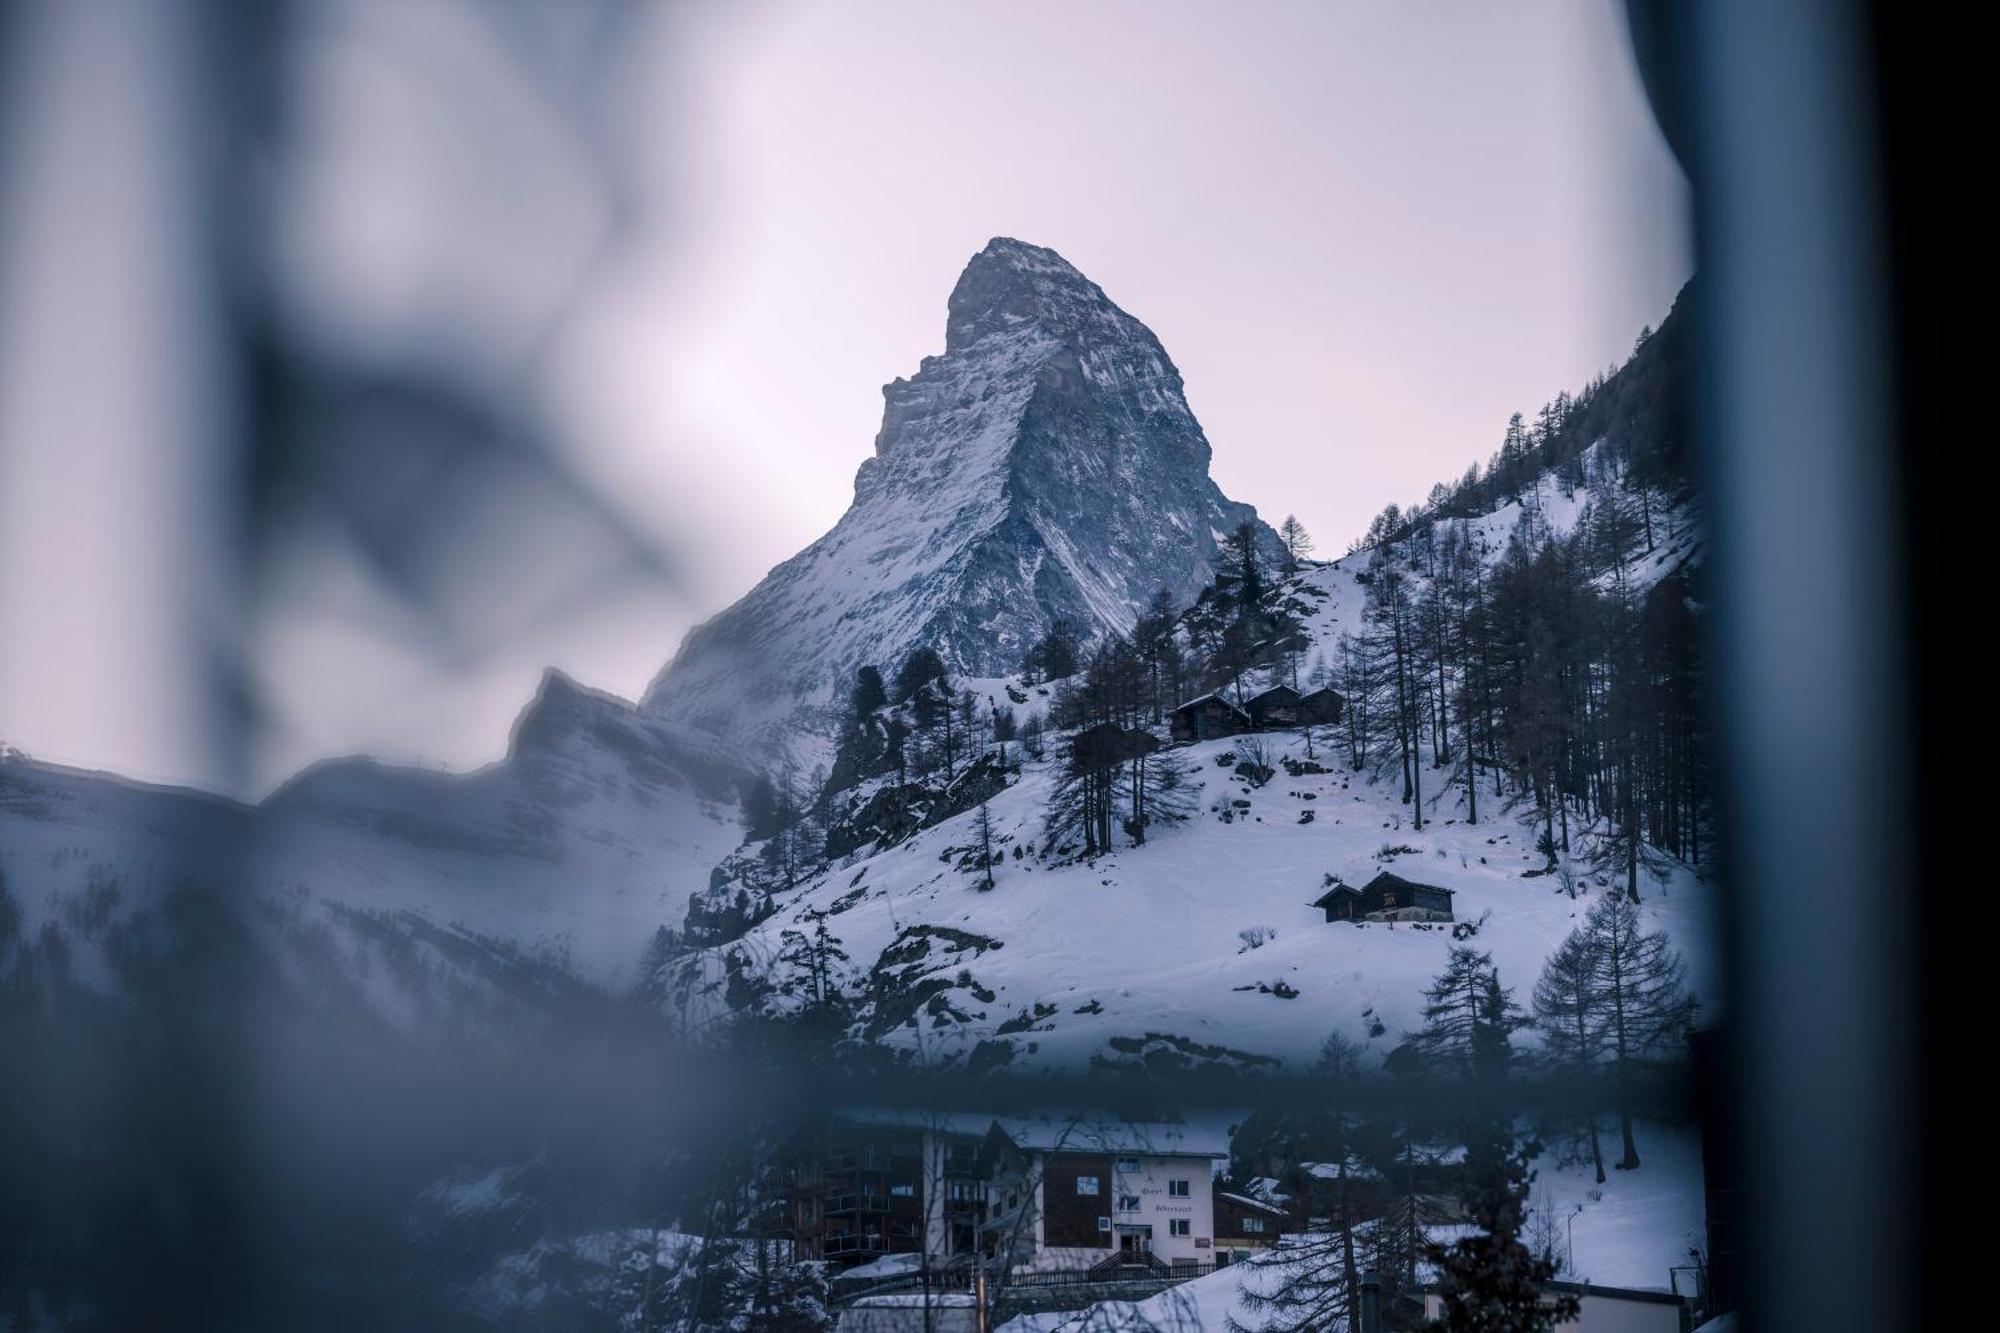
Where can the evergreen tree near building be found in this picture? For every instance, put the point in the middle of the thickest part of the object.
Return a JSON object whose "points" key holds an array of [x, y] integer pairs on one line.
{"points": [[1573, 1038], [1640, 999], [1490, 1281]]}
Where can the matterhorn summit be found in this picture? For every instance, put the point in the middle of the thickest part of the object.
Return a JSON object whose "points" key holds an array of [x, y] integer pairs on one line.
{"points": [[1045, 466]]}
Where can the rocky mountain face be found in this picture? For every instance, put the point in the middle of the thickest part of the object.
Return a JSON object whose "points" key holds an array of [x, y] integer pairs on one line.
{"points": [[1047, 465]]}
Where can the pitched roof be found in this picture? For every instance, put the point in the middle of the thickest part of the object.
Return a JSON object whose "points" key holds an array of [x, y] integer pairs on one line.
{"points": [[1395, 878], [1114, 1136], [1245, 1201], [1205, 698]]}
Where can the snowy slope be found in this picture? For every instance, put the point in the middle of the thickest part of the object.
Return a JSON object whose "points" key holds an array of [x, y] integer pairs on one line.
{"points": [[1047, 465], [1096, 956], [1336, 596], [1084, 961]]}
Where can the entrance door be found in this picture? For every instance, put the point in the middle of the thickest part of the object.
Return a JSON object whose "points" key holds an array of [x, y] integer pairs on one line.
{"points": [[1135, 1240]]}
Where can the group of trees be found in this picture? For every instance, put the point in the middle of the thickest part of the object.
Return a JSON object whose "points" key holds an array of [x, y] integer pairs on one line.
{"points": [[1611, 999], [1552, 675], [1632, 415], [1243, 623], [1457, 1126], [920, 729], [1114, 773]]}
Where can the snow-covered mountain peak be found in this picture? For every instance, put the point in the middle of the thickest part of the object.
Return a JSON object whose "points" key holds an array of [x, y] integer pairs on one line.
{"points": [[1011, 283], [1045, 466]]}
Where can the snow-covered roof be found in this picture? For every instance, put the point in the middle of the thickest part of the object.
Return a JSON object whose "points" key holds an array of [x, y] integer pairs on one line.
{"points": [[1154, 1139], [889, 1265], [1077, 1132], [1245, 1201], [1205, 698], [966, 1124]]}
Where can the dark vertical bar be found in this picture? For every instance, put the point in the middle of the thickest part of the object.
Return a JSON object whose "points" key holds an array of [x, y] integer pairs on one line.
{"points": [[1794, 420]]}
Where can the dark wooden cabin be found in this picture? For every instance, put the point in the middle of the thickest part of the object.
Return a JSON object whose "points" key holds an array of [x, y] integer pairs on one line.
{"points": [[1244, 1223], [1107, 743], [1275, 707], [1320, 707], [1208, 717], [1387, 897]]}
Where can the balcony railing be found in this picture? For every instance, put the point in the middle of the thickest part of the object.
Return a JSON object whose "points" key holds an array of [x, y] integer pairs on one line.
{"points": [[857, 1203]]}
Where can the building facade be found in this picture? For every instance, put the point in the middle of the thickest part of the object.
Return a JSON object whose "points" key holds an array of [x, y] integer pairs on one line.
{"points": [[864, 1186], [1063, 1201]]}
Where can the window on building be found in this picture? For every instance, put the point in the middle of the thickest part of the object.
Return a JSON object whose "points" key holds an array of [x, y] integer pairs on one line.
{"points": [[1178, 1189], [1128, 1166], [1128, 1203], [1253, 1226], [1086, 1184], [1180, 1226], [903, 1191]]}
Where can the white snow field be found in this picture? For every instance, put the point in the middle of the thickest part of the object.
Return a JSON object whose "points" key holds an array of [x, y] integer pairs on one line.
{"points": [[1147, 940]]}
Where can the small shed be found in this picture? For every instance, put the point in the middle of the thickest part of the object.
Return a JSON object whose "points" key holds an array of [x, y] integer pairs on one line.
{"points": [[1342, 902], [1208, 717], [1107, 743], [1390, 897], [1275, 707], [1387, 897], [1246, 1223], [1320, 707]]}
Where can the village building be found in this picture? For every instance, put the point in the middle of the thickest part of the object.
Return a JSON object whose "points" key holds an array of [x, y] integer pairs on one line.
{"points": [[1321, 707], [1064, 1197], [1108, 743], [1207, 718], [1244, 1223], [866, 1184], [1387, 897], [1275, 707]]}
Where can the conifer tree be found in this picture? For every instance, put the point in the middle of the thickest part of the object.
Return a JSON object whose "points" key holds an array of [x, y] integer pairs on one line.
{"points": [[1640, 999]]}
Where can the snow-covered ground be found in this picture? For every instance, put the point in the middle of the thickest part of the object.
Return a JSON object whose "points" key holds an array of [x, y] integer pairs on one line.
{"points": [[1065, 961]]}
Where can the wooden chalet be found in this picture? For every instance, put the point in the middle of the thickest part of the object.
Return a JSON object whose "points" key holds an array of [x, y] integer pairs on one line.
{"points": [[1275, 707], [1387, 897], [1320, 707], [1208, 717], [1246, 1223], [1108, 743], [865, 1185]]}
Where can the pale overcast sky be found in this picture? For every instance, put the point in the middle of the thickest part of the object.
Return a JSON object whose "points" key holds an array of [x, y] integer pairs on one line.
{"points": [[1366, 232]]}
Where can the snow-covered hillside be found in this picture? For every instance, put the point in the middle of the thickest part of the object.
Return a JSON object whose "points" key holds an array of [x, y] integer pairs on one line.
{"points": [[1141, 953], [1335, 592], [595, 828]]}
